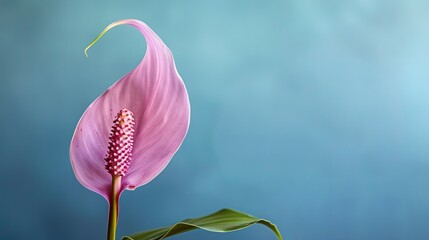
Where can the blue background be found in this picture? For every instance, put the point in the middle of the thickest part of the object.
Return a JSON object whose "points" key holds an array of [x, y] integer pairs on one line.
{"points": [[311, 113]]}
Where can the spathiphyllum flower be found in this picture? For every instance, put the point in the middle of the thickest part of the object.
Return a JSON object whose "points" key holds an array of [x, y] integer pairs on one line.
{"points": [[128, 135]]}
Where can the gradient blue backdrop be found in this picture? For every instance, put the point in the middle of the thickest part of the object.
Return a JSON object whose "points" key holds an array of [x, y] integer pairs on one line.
{"points": [[311, 113]]}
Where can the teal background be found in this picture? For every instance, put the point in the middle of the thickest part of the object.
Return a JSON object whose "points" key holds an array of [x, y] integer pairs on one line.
{"points": [[313, 114]]}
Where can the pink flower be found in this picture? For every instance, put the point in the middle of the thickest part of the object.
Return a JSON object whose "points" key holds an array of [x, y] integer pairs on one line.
{"points": [[127, 136]]}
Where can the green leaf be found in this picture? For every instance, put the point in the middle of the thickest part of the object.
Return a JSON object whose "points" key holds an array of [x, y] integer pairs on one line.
{"points": [[225, 220]]}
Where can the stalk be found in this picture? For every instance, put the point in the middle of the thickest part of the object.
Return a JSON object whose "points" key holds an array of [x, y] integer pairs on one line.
{"points": [[113, 208]]}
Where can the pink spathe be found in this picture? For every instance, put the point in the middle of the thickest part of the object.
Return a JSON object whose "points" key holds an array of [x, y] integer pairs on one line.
{"points": [[157, 96]]}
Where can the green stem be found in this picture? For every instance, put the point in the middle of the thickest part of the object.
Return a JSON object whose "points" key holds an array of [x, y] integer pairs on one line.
{"points": [[113, 209]]}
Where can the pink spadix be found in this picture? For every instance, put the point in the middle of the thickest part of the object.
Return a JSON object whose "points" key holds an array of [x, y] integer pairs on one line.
{"points": [[121, 143]]}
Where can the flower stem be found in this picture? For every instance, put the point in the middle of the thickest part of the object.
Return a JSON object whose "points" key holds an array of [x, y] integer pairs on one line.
{"points": [[113, 208]]}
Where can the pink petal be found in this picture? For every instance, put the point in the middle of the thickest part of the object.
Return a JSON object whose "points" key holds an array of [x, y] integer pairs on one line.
{"points": [[157, 96]]}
